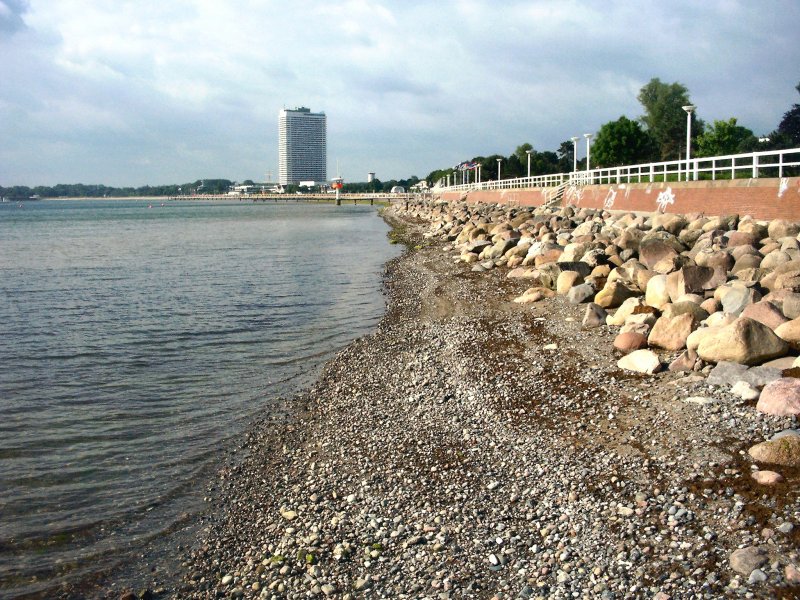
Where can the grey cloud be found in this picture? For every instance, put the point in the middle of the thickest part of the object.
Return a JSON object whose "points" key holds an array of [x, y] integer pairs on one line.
{"points": [[11, 12]]}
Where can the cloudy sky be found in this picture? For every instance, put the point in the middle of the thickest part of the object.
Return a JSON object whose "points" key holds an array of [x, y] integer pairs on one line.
{"points": [[127, 92]]}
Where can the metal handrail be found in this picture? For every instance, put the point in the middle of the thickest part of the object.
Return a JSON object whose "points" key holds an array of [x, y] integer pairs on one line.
{"points": [[728, 166]]}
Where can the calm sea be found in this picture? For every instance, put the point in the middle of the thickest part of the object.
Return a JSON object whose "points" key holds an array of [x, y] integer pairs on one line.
{"points": [[137, 339]]}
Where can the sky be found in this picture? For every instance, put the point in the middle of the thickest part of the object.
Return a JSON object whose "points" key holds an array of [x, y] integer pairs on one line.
{"points": [[136, 92]]}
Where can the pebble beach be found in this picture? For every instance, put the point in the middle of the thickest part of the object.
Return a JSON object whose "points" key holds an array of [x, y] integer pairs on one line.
{"points": [[493, 438]]}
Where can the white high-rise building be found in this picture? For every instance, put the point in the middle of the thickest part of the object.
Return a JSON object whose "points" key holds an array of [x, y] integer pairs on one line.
{"points": [[302, 146]]}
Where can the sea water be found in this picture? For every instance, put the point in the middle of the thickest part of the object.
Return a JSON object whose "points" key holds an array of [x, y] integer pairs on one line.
{"points": [[137, 339]]}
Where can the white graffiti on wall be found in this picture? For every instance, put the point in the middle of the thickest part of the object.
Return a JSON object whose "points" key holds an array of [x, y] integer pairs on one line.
{"points": [[784, 186], [664, 199], [610, 197], [574, 196]]}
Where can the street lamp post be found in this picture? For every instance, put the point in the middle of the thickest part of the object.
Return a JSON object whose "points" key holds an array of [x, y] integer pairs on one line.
{"points": [[688, 108], [574, 153], [588, 136], [528, 152], [498, 171]]}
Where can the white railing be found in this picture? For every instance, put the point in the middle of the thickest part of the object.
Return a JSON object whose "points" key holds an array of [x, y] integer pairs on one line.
{"points": [[770, 163]]}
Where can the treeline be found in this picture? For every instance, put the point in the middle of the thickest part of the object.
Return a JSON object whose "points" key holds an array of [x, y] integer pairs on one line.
{"points": [[376, 185], [658, 135], [80, 190]]}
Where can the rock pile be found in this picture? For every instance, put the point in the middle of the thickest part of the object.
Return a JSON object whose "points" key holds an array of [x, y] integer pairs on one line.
{"points": [[684, 292]]}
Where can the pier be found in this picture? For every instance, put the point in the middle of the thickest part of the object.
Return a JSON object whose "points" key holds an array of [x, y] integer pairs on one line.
{"points": [[343, 198]]}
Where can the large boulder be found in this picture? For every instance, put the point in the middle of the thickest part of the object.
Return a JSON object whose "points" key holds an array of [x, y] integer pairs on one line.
{"points": [[580, 293], [737, 297], [626, 309], [595, 316], [766, 313], [656, 293], [779, 228], [781, 451], [657, 246], [789, 332], [566, 281], [630, 341], [671, 333], [693, 279], [640, 361], [615, 293], [744, 341], [780, 397]]}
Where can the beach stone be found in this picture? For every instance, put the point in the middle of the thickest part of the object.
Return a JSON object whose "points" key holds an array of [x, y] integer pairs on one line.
{"points": [[740, 238], [656, 293], [788, 281], [745, 391], [780, 397], [719, 319], [595, 316], [715, 259], [683, 308], [737, 298], [534, 294], [625, 310], [630, 341], [726, 373], [745, 262], [710, 305], [775, 258], [746, 560], [766, 313], [614, 294], [670, 222], [580, 293], [685, 362], [760, 376], [671, 333], [786, 433], [780, 228], [523, 273], [693, 279], [566, 281], [784, 451], [653, 249], [791, 574], [789, 332], [767, 477], [640, 361], [744, 341], [787, 301]]}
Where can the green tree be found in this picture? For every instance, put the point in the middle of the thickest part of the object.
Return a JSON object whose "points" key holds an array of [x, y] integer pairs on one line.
{"points": [[725, 137], [788, 133], [665, 118], [622, 142], [566, 156]]}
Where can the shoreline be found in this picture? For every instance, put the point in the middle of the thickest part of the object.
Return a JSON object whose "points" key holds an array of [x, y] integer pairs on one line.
{"points": [[455, 452]]}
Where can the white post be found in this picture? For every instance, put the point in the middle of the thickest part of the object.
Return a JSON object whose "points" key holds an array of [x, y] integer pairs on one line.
{"points": [[574, 154], [588, 136], [528, 152], [498, 171], [688, 108], [479, 173]]}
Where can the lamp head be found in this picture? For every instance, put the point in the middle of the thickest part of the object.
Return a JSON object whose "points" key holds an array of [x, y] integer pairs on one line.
{"points": [[689, 108]]}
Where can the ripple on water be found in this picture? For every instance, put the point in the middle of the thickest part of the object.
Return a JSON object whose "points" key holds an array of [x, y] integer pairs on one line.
{"points": [[137, 342]]}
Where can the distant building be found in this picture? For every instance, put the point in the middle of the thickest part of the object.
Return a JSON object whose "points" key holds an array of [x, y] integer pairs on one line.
{"points": [[302, 146], [370, 177]]}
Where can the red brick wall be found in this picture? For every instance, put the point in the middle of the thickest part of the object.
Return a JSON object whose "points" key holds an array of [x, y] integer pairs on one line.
{"points": [[760, 198]]}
